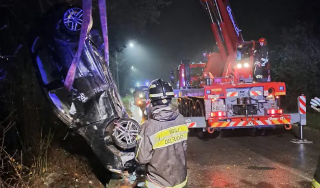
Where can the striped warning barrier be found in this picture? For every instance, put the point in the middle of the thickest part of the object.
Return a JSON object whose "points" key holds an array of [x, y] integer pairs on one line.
{"points": [[148, 103], [302, 105]]}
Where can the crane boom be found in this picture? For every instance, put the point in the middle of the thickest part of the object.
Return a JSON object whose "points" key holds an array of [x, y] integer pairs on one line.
{"points": [[225, 30]]}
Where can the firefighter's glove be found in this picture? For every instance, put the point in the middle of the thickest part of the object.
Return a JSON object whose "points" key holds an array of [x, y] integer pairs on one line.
{"points": [[315, 104], [141, 170]]}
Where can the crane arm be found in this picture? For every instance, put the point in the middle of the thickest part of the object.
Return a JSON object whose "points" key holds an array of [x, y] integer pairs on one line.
{"points": [[225, 30]]}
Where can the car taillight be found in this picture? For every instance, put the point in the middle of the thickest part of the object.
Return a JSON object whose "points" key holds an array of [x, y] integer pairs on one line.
{"points": [[275, 112], [218, 114]]}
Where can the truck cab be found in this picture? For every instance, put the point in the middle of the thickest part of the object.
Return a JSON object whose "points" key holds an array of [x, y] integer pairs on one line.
{"points": [[140, 95]]}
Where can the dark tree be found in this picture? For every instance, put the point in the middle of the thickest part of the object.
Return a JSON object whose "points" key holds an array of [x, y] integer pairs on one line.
{"points": [[297, 60]]}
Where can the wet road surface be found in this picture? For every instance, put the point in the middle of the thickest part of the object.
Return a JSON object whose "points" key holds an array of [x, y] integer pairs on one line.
{"points": [[238, 160], [136, 113]]}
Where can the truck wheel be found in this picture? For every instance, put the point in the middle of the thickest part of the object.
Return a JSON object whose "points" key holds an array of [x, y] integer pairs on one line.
{"points": [[253, 132], [202, 135], [199, 112]]}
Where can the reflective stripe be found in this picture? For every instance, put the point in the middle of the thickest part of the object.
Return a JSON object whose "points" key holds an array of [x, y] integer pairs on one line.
{"points": [[152, 185], [169, 136], [153, 86], [169, 93], [315, 184], [138, 137], [156, 95]]}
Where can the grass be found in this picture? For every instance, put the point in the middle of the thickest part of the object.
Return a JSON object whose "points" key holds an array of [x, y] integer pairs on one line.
{"points": [[313, 121]]}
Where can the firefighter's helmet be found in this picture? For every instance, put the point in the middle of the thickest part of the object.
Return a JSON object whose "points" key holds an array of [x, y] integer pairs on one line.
{"points": [[263, 41], [160, 92]]}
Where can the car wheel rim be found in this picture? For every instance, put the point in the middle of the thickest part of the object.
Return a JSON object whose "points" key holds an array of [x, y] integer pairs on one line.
{"points": [[126, 132], [72, 19]]}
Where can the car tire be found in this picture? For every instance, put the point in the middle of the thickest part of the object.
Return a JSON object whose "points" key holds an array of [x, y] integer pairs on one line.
{"points": [[125, 133], [71, 21]]}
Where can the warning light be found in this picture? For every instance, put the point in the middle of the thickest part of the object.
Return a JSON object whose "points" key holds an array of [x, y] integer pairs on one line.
{"points": [[275, 112], [218, 114], [239, 65], [272, 112], [139, 102], [246, 65]]}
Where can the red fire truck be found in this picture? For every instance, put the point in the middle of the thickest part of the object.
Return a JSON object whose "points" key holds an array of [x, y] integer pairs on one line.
{"points": [[222, 91]]}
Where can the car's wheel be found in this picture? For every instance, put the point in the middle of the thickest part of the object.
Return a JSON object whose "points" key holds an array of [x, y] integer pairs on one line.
{"points": [[125, 133], [71, 21]]}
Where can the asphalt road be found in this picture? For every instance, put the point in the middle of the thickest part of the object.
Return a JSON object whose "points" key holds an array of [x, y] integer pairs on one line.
{"points": [[238, 160]]}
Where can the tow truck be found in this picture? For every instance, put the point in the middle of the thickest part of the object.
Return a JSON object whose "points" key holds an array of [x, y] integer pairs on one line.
{"points": [[222, 91]]}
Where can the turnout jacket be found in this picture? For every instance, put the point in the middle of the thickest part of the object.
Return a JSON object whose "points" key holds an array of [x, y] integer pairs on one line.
{"points": [[316, 180], [162, 145]]}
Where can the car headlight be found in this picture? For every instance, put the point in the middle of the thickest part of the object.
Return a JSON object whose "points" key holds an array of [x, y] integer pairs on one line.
{"points": [[140, 95], [239, 65], [246, 65]]}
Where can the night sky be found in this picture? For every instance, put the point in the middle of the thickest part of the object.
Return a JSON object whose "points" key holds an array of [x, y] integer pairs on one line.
{"points": [[184, 31]]}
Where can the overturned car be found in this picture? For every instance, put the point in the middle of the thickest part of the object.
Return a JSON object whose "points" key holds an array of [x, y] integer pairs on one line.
{"points": [[93, 106]]}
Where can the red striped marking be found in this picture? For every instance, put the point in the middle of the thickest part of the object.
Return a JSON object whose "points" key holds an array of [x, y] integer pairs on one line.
{"points": [[302, 104], [255, 93], [192, 124], [246, 123], [233, 94], [148, 103], [302, 111]]}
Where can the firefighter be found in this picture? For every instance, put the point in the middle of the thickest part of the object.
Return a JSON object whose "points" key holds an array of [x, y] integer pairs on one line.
{"points": [[261, 61], [315, 104], [316, 177], [162, 142]]}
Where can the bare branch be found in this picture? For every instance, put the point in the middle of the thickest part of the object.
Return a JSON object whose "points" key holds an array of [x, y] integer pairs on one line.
{"points": [[3, 27], [17, 50]]}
